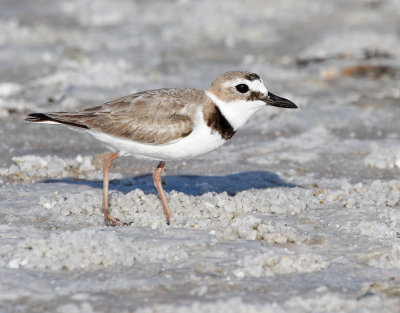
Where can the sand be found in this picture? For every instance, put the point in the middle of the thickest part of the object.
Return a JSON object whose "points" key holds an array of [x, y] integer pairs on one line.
{"points": [[299, 212]]}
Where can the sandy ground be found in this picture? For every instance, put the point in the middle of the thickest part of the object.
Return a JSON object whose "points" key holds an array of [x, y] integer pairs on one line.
{"points": [[299, 212]]}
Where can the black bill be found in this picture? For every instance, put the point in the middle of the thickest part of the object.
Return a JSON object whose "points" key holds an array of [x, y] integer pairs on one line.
{"points": [[279, 102]]}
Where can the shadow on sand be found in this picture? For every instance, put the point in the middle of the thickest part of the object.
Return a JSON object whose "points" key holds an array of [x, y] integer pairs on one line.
{"points": [[190, 184]]}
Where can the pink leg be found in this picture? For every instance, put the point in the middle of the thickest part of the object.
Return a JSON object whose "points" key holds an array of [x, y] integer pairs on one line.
{"points": [[157, 183], [107, 164]]}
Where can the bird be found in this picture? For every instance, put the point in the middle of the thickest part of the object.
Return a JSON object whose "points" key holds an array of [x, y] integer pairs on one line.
{"points": [[169, 124]]}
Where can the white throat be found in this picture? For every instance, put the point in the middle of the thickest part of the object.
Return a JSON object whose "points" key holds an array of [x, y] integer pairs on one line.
{"points": [[236, 112]]}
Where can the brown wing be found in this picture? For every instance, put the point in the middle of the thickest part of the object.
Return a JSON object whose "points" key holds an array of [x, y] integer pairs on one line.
{"points": [[156, 116]]}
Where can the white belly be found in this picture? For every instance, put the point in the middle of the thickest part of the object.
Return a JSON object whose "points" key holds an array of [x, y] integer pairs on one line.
{"points": [[200, 141]]}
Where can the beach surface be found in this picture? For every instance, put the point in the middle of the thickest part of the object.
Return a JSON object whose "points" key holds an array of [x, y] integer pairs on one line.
{"points": [[299, 212]]}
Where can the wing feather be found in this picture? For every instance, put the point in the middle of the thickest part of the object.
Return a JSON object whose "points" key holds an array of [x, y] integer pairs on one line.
{"points": [[156, 116]]}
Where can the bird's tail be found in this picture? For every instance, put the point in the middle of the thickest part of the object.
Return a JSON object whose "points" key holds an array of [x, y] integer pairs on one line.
{"points": [[53, 118], [39, 117]]}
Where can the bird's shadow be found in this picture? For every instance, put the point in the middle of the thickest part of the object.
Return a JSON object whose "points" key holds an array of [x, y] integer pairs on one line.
{"points": [[191, 184]]}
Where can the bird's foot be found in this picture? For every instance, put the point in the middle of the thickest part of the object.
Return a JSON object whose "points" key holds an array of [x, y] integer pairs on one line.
{"points": [[112, 221]]}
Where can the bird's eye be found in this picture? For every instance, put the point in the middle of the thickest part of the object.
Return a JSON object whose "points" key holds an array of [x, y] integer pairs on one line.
{"points": [[242, 88]]}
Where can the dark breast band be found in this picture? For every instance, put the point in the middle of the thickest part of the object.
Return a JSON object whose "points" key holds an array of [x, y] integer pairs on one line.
{"points": [[219, 123]]}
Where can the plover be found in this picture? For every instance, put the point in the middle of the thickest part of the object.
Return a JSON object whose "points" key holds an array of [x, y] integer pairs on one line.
{"points": [[169, 124]]}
